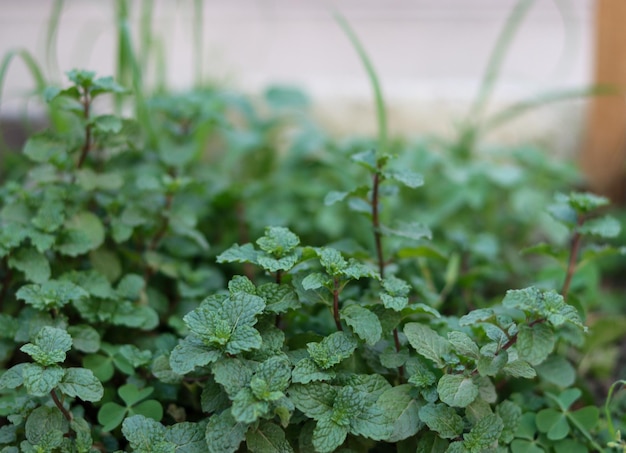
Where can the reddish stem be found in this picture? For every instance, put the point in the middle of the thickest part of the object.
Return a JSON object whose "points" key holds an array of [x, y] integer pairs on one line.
{"points": [[87, 145], [67, 414], [336, 304], [573, 257]]}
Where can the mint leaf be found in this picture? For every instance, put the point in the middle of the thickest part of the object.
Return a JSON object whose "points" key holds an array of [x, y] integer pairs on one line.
{"points": [[191, 353], [314, 281], [510, 414], [39, 381], [84, 338], [332, 261], [427, 342], [535, 343], [396, 293], [400, 406], [604, 227], [327, 435], [407, 177], [484, 434], [33, 264], [268, 438], [413, 230], [314, 400], [278, 298], [442, 419], [519, 368], [13, 377], [457, 390], [145, 434], [44, 147], [363, 322], [271, 379], [463, 344], [278, 241], [51, 294], [239, 254], [84, 232], [41, 423], [332, 349], [306, 370], [81, 383], [49, 346], [247, 408], [232, 374], [558, 371], [224, 434]]}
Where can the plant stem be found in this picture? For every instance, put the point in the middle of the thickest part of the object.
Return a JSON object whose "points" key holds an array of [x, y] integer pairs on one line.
{"points": [[156, 239], [6, 281], [573, 257], [87, 145], [336, 304], [244, 236], [67, 414]]}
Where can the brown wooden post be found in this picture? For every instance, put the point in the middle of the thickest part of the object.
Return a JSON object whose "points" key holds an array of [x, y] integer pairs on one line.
{"points": [[604, 153]]}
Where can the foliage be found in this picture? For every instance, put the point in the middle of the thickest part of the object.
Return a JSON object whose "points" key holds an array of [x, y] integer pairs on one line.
{"points": [[372, 312]]}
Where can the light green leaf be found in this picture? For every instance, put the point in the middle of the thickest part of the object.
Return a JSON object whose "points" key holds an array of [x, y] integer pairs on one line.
{"points": [[519, 368], [558, 371], [191, 353], [407, 177], [400, 406], [224, 434], [84, 232], [13, 377], [84, 338], [334, 196], [41, 422], [327, 435], [484, 434], [412, 230], [278, 241], [278, 298], [45, 147], [143, 433], [239, 254], [107, 123], [271, 379], [553, 423], [535, 343], [39, 381], [489, 364], [33, 264], [332, 349], [188, 437], [81, 383], [475, 316], [51, 294], [510, 414], [314, 281], [268, 438], [442, 419], [49, 346], [307, 371], [332, 261], [604, 227], [233, 374], [314, 400], [463, 344], [457, 390], [427, 342], [363, 322], [247, 408]]}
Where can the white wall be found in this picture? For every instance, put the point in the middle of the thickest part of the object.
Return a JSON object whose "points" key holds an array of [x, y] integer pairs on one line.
{"points": [[430, 54]]}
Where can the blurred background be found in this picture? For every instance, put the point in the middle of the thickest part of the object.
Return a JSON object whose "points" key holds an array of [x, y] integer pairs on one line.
{"points": [[432, 57]]}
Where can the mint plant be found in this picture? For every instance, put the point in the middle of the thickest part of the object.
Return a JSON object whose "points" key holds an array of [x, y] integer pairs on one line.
{"points": [[162, 295]]}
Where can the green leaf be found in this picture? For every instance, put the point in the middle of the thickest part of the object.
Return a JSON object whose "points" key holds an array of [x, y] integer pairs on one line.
{"points": [[510, 414], [396, 293], [463, 344], [519, 368], [314, 281], [489, 364], [45, 147], [548, 304], [42, 422], [267, 438], [81, 383], [407, 177], [84, 338], [39, 381], [224, 434], [366, 158], [332, 349], [107, 123], [239, 254], [33, 264], [49, 346], [363, 322], [247, 408], [233, 374], [327, 435], [427, 342], [558, 371], [604, 227], [457, 390], [149, 408], [188, 437], [51, 294], [430, 442], [334, 196], [191, 353], [314, 400], [144, 434], [484, 434], [535, 343], [414, 230], [399, 404], [442, 419], [475, 316], [111, 415], [307, 371], [332, 261], [553, 423], [13, 377], [278, 241], [131, 395], [84, 232], [271, 379], [587, 417], [278, 298]]}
